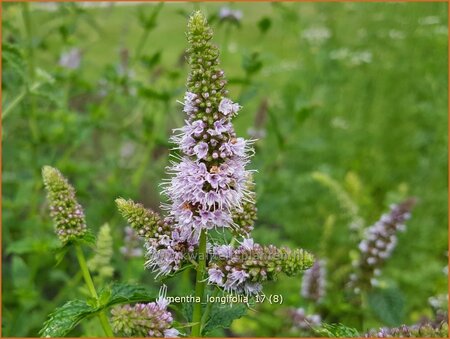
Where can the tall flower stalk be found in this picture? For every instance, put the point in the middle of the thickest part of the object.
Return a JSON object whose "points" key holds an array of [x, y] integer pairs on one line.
{"points": [[70, 225], [210, 190]]}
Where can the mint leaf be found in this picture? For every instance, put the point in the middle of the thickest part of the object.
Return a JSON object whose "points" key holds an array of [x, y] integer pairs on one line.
{"points": [[125, 293], [65, 318], [387, 305], [223, 315]]}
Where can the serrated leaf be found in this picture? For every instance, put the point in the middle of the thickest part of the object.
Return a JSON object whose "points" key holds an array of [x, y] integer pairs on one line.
{"points": [[186, 311], [223, 315], [126, 293], [65, 318], [104, 296]]}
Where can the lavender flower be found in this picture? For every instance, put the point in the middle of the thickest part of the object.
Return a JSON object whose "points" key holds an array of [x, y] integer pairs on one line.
{"points": [[314, 281], [378, 244], [66, 212], [242, 270], [209, 183], [144, 320], [226, 13], [165, 245], [304, 321], [71, 59]]}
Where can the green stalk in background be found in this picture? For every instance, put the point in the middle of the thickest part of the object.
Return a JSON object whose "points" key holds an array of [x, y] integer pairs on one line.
{"points": [[90, 285]]}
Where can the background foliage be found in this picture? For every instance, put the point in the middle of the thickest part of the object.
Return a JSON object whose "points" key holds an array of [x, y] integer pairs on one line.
{"points": [[348, 101]]}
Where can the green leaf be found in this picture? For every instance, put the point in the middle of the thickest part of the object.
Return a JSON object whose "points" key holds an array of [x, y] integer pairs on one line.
{"points": [[13, 60], [65, 318], [104, 296], [149, 21], [88, 238], [150, 61], [20, 272], [223, 315], [151, 93], [60, 254], [387, 305], [33, 245], [186, 311], [336, 331], [252, 63], [264, 24], [121, 293]]}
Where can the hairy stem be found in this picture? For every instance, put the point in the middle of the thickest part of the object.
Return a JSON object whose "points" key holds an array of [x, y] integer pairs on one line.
{"points": [[90, 285], [199, 286]]}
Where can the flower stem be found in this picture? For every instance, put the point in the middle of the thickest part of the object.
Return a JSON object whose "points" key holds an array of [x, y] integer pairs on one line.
{"points": [[199, 286], [90, 285]]}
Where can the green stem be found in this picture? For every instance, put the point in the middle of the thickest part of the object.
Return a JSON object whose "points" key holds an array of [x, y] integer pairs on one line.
{"points": [[28, 28], [199, 286], [140, 46], [31, 69], [90, 285], [363, 308], [13, 103], [18, 99]]}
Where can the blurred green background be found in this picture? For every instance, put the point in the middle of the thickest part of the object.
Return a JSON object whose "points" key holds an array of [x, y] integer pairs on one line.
{"points": [[348, 101]]}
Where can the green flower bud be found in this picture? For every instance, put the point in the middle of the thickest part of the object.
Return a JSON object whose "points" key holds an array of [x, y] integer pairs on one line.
{"points": [[147, 223]]}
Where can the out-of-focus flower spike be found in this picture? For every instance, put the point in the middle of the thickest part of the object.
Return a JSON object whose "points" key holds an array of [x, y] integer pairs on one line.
{"points": [[314, 281], [378, 243], [101, 262]]}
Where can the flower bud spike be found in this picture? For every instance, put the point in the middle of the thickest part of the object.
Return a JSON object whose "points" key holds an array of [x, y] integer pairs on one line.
{"points": [[66, 212]]}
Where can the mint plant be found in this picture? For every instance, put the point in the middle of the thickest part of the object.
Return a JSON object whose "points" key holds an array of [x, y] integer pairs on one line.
{"points": [[206, 225]]}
